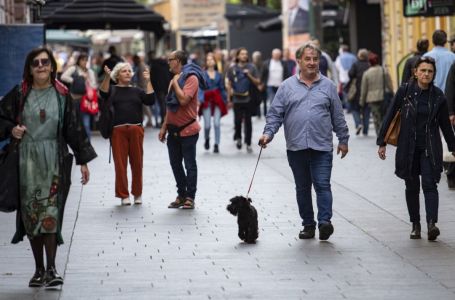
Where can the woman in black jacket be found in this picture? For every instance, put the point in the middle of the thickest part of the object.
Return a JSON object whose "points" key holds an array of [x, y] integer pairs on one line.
{"points": [[419, 151]]}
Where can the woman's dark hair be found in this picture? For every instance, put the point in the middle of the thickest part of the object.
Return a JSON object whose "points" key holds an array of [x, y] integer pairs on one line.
{"points": [[237, 53], [27, 76], [181, 56], [428, 60], [81, 56]]}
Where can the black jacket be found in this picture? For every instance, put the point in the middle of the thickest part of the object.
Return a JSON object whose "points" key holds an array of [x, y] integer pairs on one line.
{"points": [[356, 71], [405, 98], [266, 70], [450, 89]]}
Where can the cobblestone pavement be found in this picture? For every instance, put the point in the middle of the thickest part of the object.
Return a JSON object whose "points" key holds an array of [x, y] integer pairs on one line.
{"points": [[152, 252]]}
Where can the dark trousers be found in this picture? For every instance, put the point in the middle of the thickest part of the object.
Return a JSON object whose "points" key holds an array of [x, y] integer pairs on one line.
{"points": [[312, 168], [242, 111], [421, 165], [183, 149]]}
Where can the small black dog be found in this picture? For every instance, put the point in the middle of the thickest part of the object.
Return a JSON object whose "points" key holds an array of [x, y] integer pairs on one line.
{"points": [[247, 218]]}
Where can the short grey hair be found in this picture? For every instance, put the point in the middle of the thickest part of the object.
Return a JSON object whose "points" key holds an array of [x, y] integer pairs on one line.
{"points": [[308, 45], [362, 54], [118, 67]]}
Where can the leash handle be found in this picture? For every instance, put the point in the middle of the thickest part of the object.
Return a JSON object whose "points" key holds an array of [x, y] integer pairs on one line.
{"points": [[254, 173]]}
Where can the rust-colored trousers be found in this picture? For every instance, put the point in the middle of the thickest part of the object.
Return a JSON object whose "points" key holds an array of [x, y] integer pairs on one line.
{"points": [[127, 142]]}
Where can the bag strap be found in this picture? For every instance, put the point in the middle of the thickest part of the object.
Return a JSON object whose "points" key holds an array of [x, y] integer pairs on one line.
{"points": [[186, 124]]}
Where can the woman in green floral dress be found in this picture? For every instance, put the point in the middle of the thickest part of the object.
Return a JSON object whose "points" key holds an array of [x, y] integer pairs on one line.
{"points": [[39, 114]]}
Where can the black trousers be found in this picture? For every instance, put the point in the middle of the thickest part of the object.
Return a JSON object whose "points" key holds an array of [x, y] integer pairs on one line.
{"points": [[242, 112], [421, 168]]}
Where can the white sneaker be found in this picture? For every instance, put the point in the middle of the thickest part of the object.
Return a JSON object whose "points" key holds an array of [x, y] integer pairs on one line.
{"points": [[126, 201], [249, 149], [138, 200]]}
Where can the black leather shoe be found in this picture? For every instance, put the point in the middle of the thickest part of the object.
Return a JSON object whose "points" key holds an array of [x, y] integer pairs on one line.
{"points": [[207, 144], [38, 278], [415, 233], [216, 149], [433, 231], [325, 231], [307, 232], [53, 279]]}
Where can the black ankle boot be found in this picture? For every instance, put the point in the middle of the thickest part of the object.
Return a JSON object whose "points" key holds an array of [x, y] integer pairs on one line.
{"points": [[415, 233], [433, 231], [207, 144]]}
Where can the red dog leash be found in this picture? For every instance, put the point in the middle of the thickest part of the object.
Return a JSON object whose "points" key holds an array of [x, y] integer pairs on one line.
{"points": [[251, 183]]}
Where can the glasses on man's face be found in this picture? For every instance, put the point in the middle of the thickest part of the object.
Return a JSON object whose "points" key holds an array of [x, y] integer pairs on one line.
{"points": [[171, 59], [43, 61]]}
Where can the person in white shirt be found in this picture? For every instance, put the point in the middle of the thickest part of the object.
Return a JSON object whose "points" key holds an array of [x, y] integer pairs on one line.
{"points": [[274, 73]]}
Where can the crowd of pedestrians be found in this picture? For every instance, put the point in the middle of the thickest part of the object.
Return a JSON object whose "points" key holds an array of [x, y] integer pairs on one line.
{"points": [[308, 95]]}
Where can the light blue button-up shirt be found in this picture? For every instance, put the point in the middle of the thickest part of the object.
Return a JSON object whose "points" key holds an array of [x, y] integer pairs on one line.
{"points": [[308, 114], [444, 60]]}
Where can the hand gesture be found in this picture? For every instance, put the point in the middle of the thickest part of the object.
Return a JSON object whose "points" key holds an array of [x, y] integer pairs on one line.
{"points": [[146, 74], [107, 70], [176, 78], [264, 140], [381, 152], [343, 149], [85, 174], [162, 134], [18, 131]]}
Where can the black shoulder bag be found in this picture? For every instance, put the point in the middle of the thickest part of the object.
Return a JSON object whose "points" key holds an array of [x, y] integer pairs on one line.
{"points": [[9, 171]]}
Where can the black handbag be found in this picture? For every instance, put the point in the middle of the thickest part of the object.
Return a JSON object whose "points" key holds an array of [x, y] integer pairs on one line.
{"points": [[78, 85], [9, 177]]}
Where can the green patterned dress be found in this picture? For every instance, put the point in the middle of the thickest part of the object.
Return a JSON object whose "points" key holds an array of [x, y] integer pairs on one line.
{"points": [[38, 165]]}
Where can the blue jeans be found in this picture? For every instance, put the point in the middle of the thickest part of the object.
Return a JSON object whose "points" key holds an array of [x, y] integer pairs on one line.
{"points": [[207, 114], [421, 165], [312, 168], [183, 149]]}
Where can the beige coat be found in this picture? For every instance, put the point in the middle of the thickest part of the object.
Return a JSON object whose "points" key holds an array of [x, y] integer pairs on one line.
{"points": [[372, 88]]}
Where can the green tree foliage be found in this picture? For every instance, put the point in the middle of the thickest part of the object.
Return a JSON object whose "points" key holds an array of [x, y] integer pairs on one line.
{"points": [[275, 4]]}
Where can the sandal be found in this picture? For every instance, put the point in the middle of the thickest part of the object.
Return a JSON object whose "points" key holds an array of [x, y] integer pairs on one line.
{"points": [[179, 201], [189, 203]]}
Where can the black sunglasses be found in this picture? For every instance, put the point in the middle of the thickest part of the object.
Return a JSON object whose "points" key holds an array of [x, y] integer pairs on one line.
{"points": [[43, 61]]}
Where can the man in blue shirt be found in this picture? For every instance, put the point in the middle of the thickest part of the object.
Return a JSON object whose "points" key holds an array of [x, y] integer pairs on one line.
{"points": [[442, 56], [308, 106]]}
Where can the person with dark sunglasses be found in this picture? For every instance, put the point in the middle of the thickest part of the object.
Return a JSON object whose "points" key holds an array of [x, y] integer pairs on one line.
{"points": [[38, 114]]}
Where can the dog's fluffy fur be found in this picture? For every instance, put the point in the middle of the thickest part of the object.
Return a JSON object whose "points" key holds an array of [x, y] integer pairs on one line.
{"points": [[247, 218]]}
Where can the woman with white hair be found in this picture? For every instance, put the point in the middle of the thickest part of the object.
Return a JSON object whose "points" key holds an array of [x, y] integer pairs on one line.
{"points": [[128, 134]]}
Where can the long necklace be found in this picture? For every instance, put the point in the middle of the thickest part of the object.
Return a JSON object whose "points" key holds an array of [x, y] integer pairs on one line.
{"points": [[42, 110]]}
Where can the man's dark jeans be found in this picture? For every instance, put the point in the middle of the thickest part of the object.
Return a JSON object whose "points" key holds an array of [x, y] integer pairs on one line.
{"points": [[242, 112], [183, 149], [421, 165], [312, 167]]}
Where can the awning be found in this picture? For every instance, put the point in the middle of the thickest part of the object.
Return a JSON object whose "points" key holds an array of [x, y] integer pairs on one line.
{"points": [[104, 14]]}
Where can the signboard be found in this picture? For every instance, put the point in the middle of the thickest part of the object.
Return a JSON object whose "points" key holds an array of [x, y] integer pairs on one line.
{"points": [[296, 23], [196, 14], [428, 8], [16, 42]]}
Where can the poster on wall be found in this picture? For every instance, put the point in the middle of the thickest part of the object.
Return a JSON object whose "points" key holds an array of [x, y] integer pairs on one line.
{"points": [[13, 50], [296, 29]]}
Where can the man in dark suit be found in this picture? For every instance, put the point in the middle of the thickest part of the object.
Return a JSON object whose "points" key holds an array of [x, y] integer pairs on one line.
{"points": [[298, 18]]}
